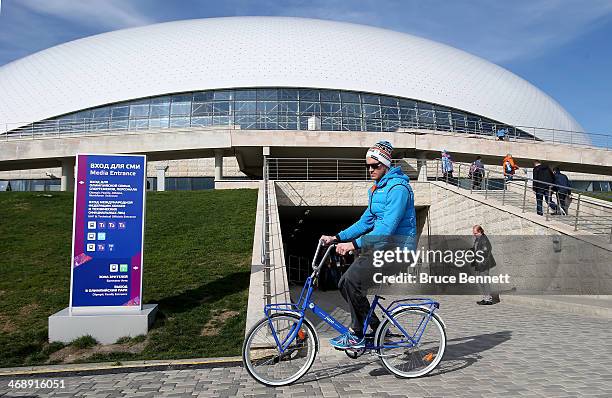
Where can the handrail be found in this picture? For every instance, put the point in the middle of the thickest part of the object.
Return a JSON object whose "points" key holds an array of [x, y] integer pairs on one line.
{"points": [[521, 178], [108, 125], [586, 214], [320, 169], [591, 216], [265, 255]]}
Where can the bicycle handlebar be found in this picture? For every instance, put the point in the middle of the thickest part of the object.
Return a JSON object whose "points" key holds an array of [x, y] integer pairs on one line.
{"points": [[317, 268]]}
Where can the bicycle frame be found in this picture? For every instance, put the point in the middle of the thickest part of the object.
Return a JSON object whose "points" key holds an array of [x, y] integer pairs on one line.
{"points": [[305, 302]]}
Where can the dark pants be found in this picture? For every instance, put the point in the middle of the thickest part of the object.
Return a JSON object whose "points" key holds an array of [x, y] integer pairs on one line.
{"points": [[477, 180], [353, 286], [448, 177], [544, 194], [485, 287]]}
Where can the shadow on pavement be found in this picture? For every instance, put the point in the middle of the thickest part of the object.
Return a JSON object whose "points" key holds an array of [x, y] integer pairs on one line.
{"points": [[462, 352], [333, 371]]}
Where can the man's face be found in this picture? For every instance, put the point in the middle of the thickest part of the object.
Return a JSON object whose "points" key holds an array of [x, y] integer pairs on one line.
{"points": [[376, 169], [475, 232]]}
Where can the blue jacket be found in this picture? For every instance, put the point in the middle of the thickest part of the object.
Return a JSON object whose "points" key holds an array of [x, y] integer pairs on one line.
{"points": [[562, 180], [390, 210], [447, 164]]}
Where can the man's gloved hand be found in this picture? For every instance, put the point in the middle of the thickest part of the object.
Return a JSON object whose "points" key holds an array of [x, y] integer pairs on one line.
{"points": [[327, 240]]}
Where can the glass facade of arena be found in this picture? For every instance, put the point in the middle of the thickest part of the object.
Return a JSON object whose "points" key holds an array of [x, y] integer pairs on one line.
{"points": [[270, 109], [52, 184]]}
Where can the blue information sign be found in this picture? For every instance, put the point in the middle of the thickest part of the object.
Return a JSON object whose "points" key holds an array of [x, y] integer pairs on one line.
{"points": [[108, 231]]}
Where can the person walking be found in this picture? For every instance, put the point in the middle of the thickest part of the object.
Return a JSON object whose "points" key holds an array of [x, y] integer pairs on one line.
{"points": [[563, 190], [482, 244], [543, 179], [328, 277], [476, 173], [447, 166], [390, 213], [510, 168]]}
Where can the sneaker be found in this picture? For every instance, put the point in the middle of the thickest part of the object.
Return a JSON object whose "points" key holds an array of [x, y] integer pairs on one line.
{"points": [[484, 302], [347, 340], [337, 339]]}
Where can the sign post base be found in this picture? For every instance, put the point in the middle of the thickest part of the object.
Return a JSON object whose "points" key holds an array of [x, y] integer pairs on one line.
{"points": [[106, 328]]}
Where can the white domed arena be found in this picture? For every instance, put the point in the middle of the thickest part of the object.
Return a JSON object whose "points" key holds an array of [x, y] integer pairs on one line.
{"points": [[276, 77], [268, 72]]}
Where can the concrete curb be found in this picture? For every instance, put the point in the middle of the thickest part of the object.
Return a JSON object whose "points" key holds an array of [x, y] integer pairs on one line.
{"points": [[563, 304], [125, 367]]}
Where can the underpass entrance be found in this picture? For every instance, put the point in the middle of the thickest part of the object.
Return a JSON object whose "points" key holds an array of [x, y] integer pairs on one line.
{"points": [[301, 228]]}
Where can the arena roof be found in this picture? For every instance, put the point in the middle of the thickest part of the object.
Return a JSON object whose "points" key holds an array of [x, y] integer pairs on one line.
{"points": [[233, 52]]}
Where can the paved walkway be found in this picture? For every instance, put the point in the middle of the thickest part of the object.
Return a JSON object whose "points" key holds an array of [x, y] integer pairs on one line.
{"points": [[501, 350]]}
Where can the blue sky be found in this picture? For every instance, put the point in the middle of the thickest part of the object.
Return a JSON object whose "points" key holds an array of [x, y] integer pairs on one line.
{"points": [[563, 47]]}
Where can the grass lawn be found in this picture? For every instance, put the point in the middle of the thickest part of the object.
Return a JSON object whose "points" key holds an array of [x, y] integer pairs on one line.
{"points": [[601, 195], [196, 267]]}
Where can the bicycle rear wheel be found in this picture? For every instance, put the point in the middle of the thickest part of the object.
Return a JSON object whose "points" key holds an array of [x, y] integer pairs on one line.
{"points": [[396, 351], [263, 359]]}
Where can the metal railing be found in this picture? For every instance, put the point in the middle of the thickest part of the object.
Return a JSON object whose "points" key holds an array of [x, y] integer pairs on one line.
{"points": [[582, 210], [298, 268], [265, 238], [326, 169], [274, 121]]}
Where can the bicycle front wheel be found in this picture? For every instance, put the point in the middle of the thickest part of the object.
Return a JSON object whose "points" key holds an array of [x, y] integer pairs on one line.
{"points": [[263, 358], [399, 354]]}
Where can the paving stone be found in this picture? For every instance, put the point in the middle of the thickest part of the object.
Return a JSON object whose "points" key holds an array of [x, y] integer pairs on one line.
{"points": [[503, 350]]}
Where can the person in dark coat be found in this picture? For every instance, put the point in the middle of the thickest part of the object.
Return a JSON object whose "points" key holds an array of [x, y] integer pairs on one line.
{"points": [[476, 173], [563, 190], [482, 244], [543, 179]]}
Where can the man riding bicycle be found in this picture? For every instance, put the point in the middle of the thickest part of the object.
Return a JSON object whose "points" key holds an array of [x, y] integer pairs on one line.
{"points": [[390, 213]]}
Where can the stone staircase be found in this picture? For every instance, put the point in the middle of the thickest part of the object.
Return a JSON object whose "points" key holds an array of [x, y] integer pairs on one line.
{"points": [[593, 215]]}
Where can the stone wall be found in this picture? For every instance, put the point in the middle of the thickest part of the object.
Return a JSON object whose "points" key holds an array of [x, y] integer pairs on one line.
{"points": [[337, 193], [540, 256], [203, 167]]}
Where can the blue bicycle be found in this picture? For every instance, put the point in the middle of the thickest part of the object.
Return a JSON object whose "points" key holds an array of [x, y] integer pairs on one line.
{"points": [[282, 346]]}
